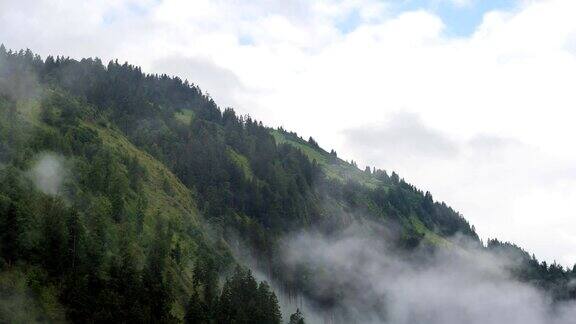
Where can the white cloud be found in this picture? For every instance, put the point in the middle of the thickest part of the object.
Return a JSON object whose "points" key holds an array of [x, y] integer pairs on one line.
{"points": [[513, 78], [402, 138]]}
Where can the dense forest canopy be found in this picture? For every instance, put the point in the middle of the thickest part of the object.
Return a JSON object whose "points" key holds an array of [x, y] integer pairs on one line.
{"points": [[133, 197]]}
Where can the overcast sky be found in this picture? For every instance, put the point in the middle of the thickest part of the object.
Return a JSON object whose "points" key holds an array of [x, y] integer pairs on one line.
{"points": [[474, 100]]}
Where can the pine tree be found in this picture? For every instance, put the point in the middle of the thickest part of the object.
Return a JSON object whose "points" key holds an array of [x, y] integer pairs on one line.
{"points": [[56, 235], [196, 312], [226, 312], [267, 305], [297, 318]]}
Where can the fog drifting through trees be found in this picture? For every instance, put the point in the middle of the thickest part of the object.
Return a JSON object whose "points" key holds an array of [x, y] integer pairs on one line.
{"points": [[452, 286], [49, 174]]}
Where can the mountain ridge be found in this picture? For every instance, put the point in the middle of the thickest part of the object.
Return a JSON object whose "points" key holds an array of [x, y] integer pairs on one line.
{"points": [[161, 182]]}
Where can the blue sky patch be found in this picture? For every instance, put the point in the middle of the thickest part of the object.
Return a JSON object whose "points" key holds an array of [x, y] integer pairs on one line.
{"points": [[349, 23], [459, 20], [133, 7]]}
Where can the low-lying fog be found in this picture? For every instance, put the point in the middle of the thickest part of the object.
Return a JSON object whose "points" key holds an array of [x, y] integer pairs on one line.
{"points": [[378, 285]]}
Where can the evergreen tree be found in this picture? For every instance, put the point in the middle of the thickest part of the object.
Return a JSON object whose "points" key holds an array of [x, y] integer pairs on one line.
{"points": [[297, 318], [196, 311], [268, 309]]}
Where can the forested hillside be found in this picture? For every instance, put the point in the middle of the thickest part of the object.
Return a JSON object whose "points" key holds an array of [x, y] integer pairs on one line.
{"points": [[130, 197]]}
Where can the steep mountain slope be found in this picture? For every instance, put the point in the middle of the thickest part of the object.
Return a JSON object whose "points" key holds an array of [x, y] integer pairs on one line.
{"points": [[110, 200], [377, 180], [126, 197], [333, 167]]}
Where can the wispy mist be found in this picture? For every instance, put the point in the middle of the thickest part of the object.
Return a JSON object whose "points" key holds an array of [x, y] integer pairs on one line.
{"points": [[20, 85], [374, 284], [49, 174]]}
